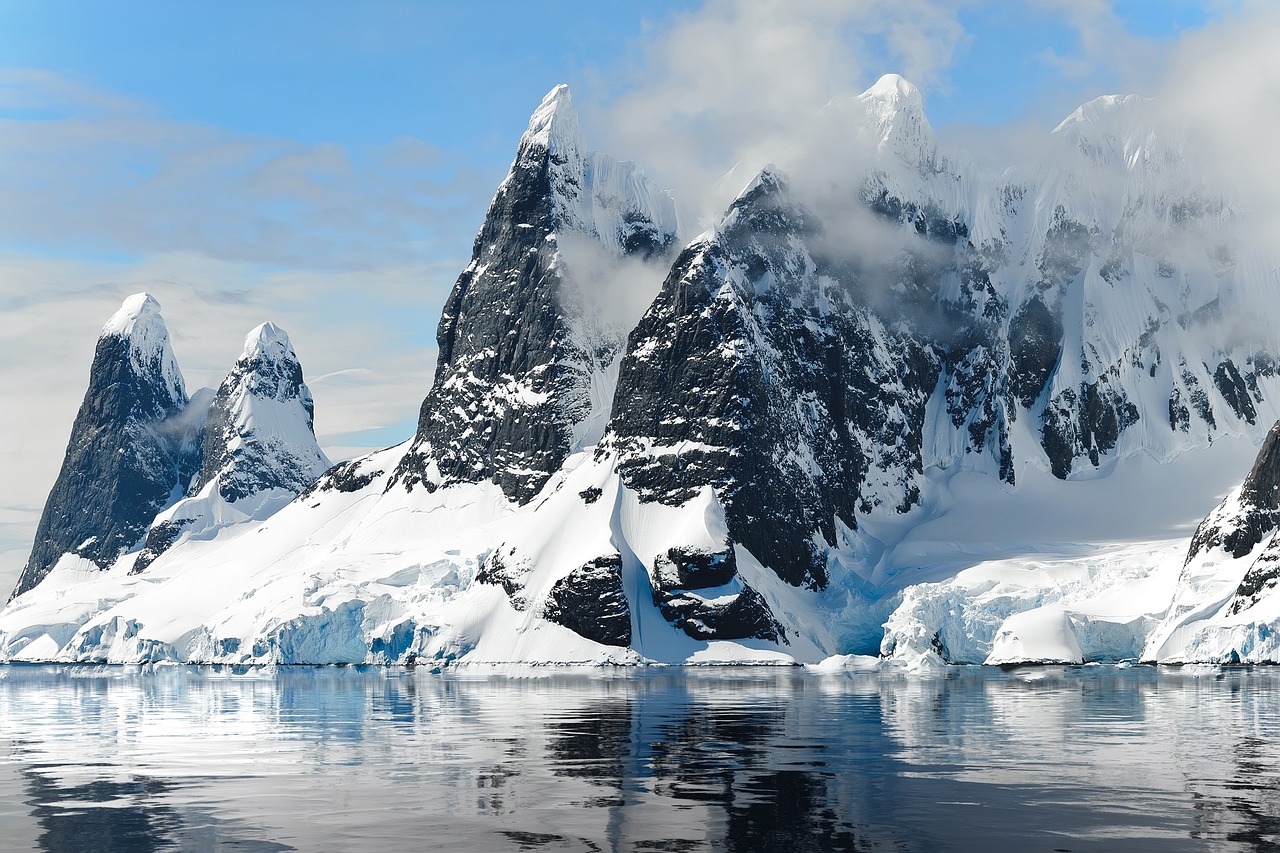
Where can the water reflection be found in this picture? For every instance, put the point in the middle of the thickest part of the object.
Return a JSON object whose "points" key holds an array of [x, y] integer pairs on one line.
{"points": [[739, 760]]}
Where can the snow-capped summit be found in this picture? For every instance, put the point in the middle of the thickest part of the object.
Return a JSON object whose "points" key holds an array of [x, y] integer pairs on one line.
{"points": [[138, 307], [894, 90], [1107, 112], [895, 110], [554, 125], [260, 434], [1121, 132], [131, 449], [523, 362], [260, 448], [139, 321], [267, 341]]}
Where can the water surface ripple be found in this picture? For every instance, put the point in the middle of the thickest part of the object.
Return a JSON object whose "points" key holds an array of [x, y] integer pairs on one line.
{"points": [[356, 759]]}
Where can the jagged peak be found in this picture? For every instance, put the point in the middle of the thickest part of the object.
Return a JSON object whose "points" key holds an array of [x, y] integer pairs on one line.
{"points": [[554, 124], [268, 341], [768, 180]]}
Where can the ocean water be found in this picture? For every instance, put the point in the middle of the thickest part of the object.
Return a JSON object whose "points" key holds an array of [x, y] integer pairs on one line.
{"points": [[743, 759]]}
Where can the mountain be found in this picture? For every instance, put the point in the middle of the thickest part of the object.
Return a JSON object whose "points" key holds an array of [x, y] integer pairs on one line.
{"points": [[876, 407], [131, 451], [524, 365], [259, 449], [1224, 608]]}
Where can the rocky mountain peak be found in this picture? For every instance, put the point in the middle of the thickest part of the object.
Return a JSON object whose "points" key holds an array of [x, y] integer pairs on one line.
{"points": [[140, 325], [268, 341], [259, 449], [131, 449], [519, 364], [260, 434]]}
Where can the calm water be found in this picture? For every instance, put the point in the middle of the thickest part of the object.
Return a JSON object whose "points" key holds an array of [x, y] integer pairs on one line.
{"points": [[1090, 758]]}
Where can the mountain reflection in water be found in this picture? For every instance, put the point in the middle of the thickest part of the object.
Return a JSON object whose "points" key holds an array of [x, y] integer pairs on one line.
{"points": [[1087, 758]]}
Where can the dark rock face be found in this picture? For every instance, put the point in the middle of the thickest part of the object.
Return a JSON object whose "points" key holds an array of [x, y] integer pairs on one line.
{"points": [[347, 477], [131, 454], [1242, 521], [1085, 423], [591, 602], [503, 568], [762, 371], [743, 616], [1035, 341], [692, 589], [1261, 578], [159, 539], [694, 568], [1235, 390], [511, 377]]}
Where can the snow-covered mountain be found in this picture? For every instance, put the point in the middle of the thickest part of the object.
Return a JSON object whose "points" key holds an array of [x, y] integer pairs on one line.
{"points": [[131, 451], [259, 450], [525, 365], [873, 414]]}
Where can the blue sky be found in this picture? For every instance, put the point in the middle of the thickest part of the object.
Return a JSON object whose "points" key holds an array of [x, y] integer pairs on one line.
{"points": [[325, 164], [462, 75]]}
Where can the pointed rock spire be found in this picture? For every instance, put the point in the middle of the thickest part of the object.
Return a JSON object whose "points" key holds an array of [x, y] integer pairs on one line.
{"points": [[554, 125], [260, 434], [510, 381], [260, 447], [131, 448]]}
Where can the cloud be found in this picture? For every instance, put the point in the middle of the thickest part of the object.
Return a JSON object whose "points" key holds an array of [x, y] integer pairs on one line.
{"points": [[83, 168], [740, 81]]}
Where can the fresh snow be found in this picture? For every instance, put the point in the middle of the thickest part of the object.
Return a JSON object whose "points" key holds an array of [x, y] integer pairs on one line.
{"points": [[139, 321]]}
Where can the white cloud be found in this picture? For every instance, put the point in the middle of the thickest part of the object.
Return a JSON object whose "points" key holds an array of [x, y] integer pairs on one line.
{"points": [[1224, 80], [351, 252], [80, 167], [739, 82]]}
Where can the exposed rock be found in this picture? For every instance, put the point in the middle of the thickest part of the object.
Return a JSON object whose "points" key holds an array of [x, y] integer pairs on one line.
{"points": [[515, 367], [502, 568], [591, 602], [259, 449], [133, 447], [741, 615], [694, 568], [1250, 513], [260, 433], [1261, 579]]}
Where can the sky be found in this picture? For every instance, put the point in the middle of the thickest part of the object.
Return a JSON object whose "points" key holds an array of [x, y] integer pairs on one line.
{"points": [[325, 165]]}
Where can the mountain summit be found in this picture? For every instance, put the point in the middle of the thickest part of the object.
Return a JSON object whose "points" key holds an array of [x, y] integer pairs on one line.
{"points": [[131, 452], [519, 366]]}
